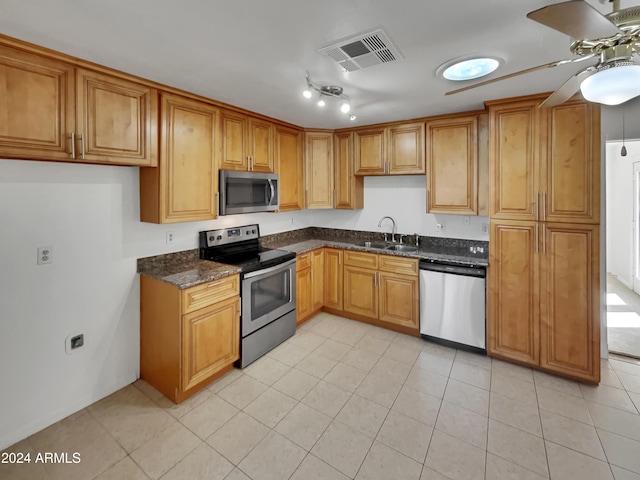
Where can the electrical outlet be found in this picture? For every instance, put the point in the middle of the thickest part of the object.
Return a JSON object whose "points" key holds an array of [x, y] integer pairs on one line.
{"points": [[45, 255], [467, 220], [485, 228], [440, 227], [169, 238], [73, 342]]}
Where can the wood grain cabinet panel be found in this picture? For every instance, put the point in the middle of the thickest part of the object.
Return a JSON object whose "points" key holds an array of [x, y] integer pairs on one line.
{"points": [[399, 299], [514, 286], [211, 341], [333, 274], [290, 160], [406, 143], [361, 291], [349, 189], [369, 151], [117, 120], [319, 169], [261, 145], [304, 293], [570, 282], [183, 187], [452, 164], [361, 259], [317, 279], [233, 132]]}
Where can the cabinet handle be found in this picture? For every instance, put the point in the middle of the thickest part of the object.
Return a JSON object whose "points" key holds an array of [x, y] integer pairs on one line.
{"points": [[537, 238], [544, 206], [544, 238], [214, 284], [82, 144], [537, 206], [73, 145]]}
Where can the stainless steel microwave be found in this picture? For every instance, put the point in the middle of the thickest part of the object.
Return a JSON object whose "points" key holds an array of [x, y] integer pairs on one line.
{"points": [[248, 192]]}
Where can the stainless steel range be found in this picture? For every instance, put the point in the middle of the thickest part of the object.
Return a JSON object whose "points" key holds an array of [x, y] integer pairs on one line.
{"points": [[268, 289]]}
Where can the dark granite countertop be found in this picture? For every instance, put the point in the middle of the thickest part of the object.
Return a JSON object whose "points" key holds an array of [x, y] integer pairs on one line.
{"points": [[185, 269]]}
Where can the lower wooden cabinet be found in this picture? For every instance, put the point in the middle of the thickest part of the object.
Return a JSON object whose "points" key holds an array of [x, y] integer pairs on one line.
{"points": [[188, 337], [361, 291], [309, 284], [543, 303], [317, 279], [333, 279], [399, 299]]}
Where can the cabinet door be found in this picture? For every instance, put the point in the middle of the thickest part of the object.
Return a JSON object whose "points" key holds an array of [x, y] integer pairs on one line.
{"points": [[116, 120], [187, 160], [406, 149], [333, 278], [361, 291], [513, 301], [303, 295], [399, 299], [572, 182], [317, 278], [514, 159], [233, 130], [290, 160], [36, 106], [349, 189], [570, 300], [452, 164], [261, 145], [211, 339], [319, 169], [369, 152]]}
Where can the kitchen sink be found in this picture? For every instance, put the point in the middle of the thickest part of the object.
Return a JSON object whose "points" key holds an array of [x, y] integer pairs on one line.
{"points": [[402, 248], [380, 245]]}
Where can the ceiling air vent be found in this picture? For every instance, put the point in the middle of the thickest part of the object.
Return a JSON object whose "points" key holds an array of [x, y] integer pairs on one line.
{"points": [[362, 51]]}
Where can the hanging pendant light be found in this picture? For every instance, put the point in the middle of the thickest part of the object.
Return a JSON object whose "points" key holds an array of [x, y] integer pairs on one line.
{"points": [[623, 151]]}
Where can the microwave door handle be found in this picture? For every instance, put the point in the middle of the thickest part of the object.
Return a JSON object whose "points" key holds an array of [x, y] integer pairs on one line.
{"points": [[272, 192]]}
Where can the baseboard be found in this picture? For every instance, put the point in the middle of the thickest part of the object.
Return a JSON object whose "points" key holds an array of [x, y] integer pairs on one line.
{"points": [[621, 280]]}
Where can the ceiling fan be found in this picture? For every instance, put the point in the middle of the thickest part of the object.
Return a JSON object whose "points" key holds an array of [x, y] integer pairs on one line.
{"points": [[613, 38]]}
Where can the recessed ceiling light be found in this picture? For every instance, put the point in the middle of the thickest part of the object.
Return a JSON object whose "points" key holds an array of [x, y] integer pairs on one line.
{"points": [[468, 69]]}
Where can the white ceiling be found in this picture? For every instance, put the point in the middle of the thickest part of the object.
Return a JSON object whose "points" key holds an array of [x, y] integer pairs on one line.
{"points": [[254, 53]]}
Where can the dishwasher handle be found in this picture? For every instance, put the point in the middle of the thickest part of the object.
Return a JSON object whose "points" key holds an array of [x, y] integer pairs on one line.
{"points": [[479, 272]]}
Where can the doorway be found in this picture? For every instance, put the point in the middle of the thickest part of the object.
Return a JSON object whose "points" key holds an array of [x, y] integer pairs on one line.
{"points": [[623, 248]]}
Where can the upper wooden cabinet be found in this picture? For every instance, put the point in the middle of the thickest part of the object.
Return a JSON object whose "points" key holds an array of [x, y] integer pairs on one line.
{"points": [[54, 111], [248, 143], [452, 165], [290, 161], [183, 187], [349, 189], [319, 169], [545, 163], [397, 149]]}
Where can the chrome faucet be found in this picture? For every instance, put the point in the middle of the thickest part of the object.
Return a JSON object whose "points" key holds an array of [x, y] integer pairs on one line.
{"points": [[393, 228]]}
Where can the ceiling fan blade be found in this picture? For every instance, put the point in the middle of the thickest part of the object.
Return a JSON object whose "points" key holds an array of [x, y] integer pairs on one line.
{"points": [[568, 88], [504, 77], [575, 18]]}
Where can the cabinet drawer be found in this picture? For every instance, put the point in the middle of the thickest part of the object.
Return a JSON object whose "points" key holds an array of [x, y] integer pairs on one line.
{"points": [[201, 296], [393, 264], [303, 261], [360, 259]]}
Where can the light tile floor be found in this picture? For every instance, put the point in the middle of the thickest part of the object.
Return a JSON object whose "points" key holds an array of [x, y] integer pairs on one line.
{"points": [[623, 318], [341, 400]]}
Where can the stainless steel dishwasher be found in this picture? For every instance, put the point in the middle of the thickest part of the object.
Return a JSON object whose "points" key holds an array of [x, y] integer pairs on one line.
{"points": [[452, 305]]}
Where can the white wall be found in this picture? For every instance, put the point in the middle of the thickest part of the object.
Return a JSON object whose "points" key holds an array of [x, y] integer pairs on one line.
{"points": [[404, 199], [89, 215], [619, 194]]}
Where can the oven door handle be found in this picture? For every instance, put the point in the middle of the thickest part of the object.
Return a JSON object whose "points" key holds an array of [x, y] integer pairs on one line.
{"points": [[282, 266]]}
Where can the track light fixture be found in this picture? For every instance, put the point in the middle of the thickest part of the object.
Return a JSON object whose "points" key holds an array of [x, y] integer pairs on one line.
{"points": [[325, 91]]}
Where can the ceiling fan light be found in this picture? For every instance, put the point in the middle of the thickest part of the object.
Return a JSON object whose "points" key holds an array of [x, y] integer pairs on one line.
{"points": [[321, 102], [345, 107], [613, 85], [352, 117], [306, 93], [470, 69]]}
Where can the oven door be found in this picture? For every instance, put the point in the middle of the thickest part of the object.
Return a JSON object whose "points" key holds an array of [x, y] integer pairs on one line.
{"points": [[267, 295], [248, 192]]}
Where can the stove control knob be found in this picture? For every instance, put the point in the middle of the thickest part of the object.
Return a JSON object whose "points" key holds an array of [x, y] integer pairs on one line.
{"points": [[253, 231], [219, 237], [248, 232]]}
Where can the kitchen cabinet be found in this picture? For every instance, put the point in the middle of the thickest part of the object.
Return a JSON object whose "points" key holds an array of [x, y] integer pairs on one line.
{"points": [[188, 337], [544, 303], [183, 187], [309, 284], [333, 279], [319, 169], [290, 160], [56, 111], [248, 143], [452, 165], [545, 162], [396, 149], [382, 288], [349, 189]]}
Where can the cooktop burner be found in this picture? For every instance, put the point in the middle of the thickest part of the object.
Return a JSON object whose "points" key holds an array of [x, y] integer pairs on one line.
{"points": [[240, 246]]}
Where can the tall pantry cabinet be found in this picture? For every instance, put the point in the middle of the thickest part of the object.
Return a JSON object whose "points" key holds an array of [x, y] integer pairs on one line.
{"points": [[543, 299]]}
